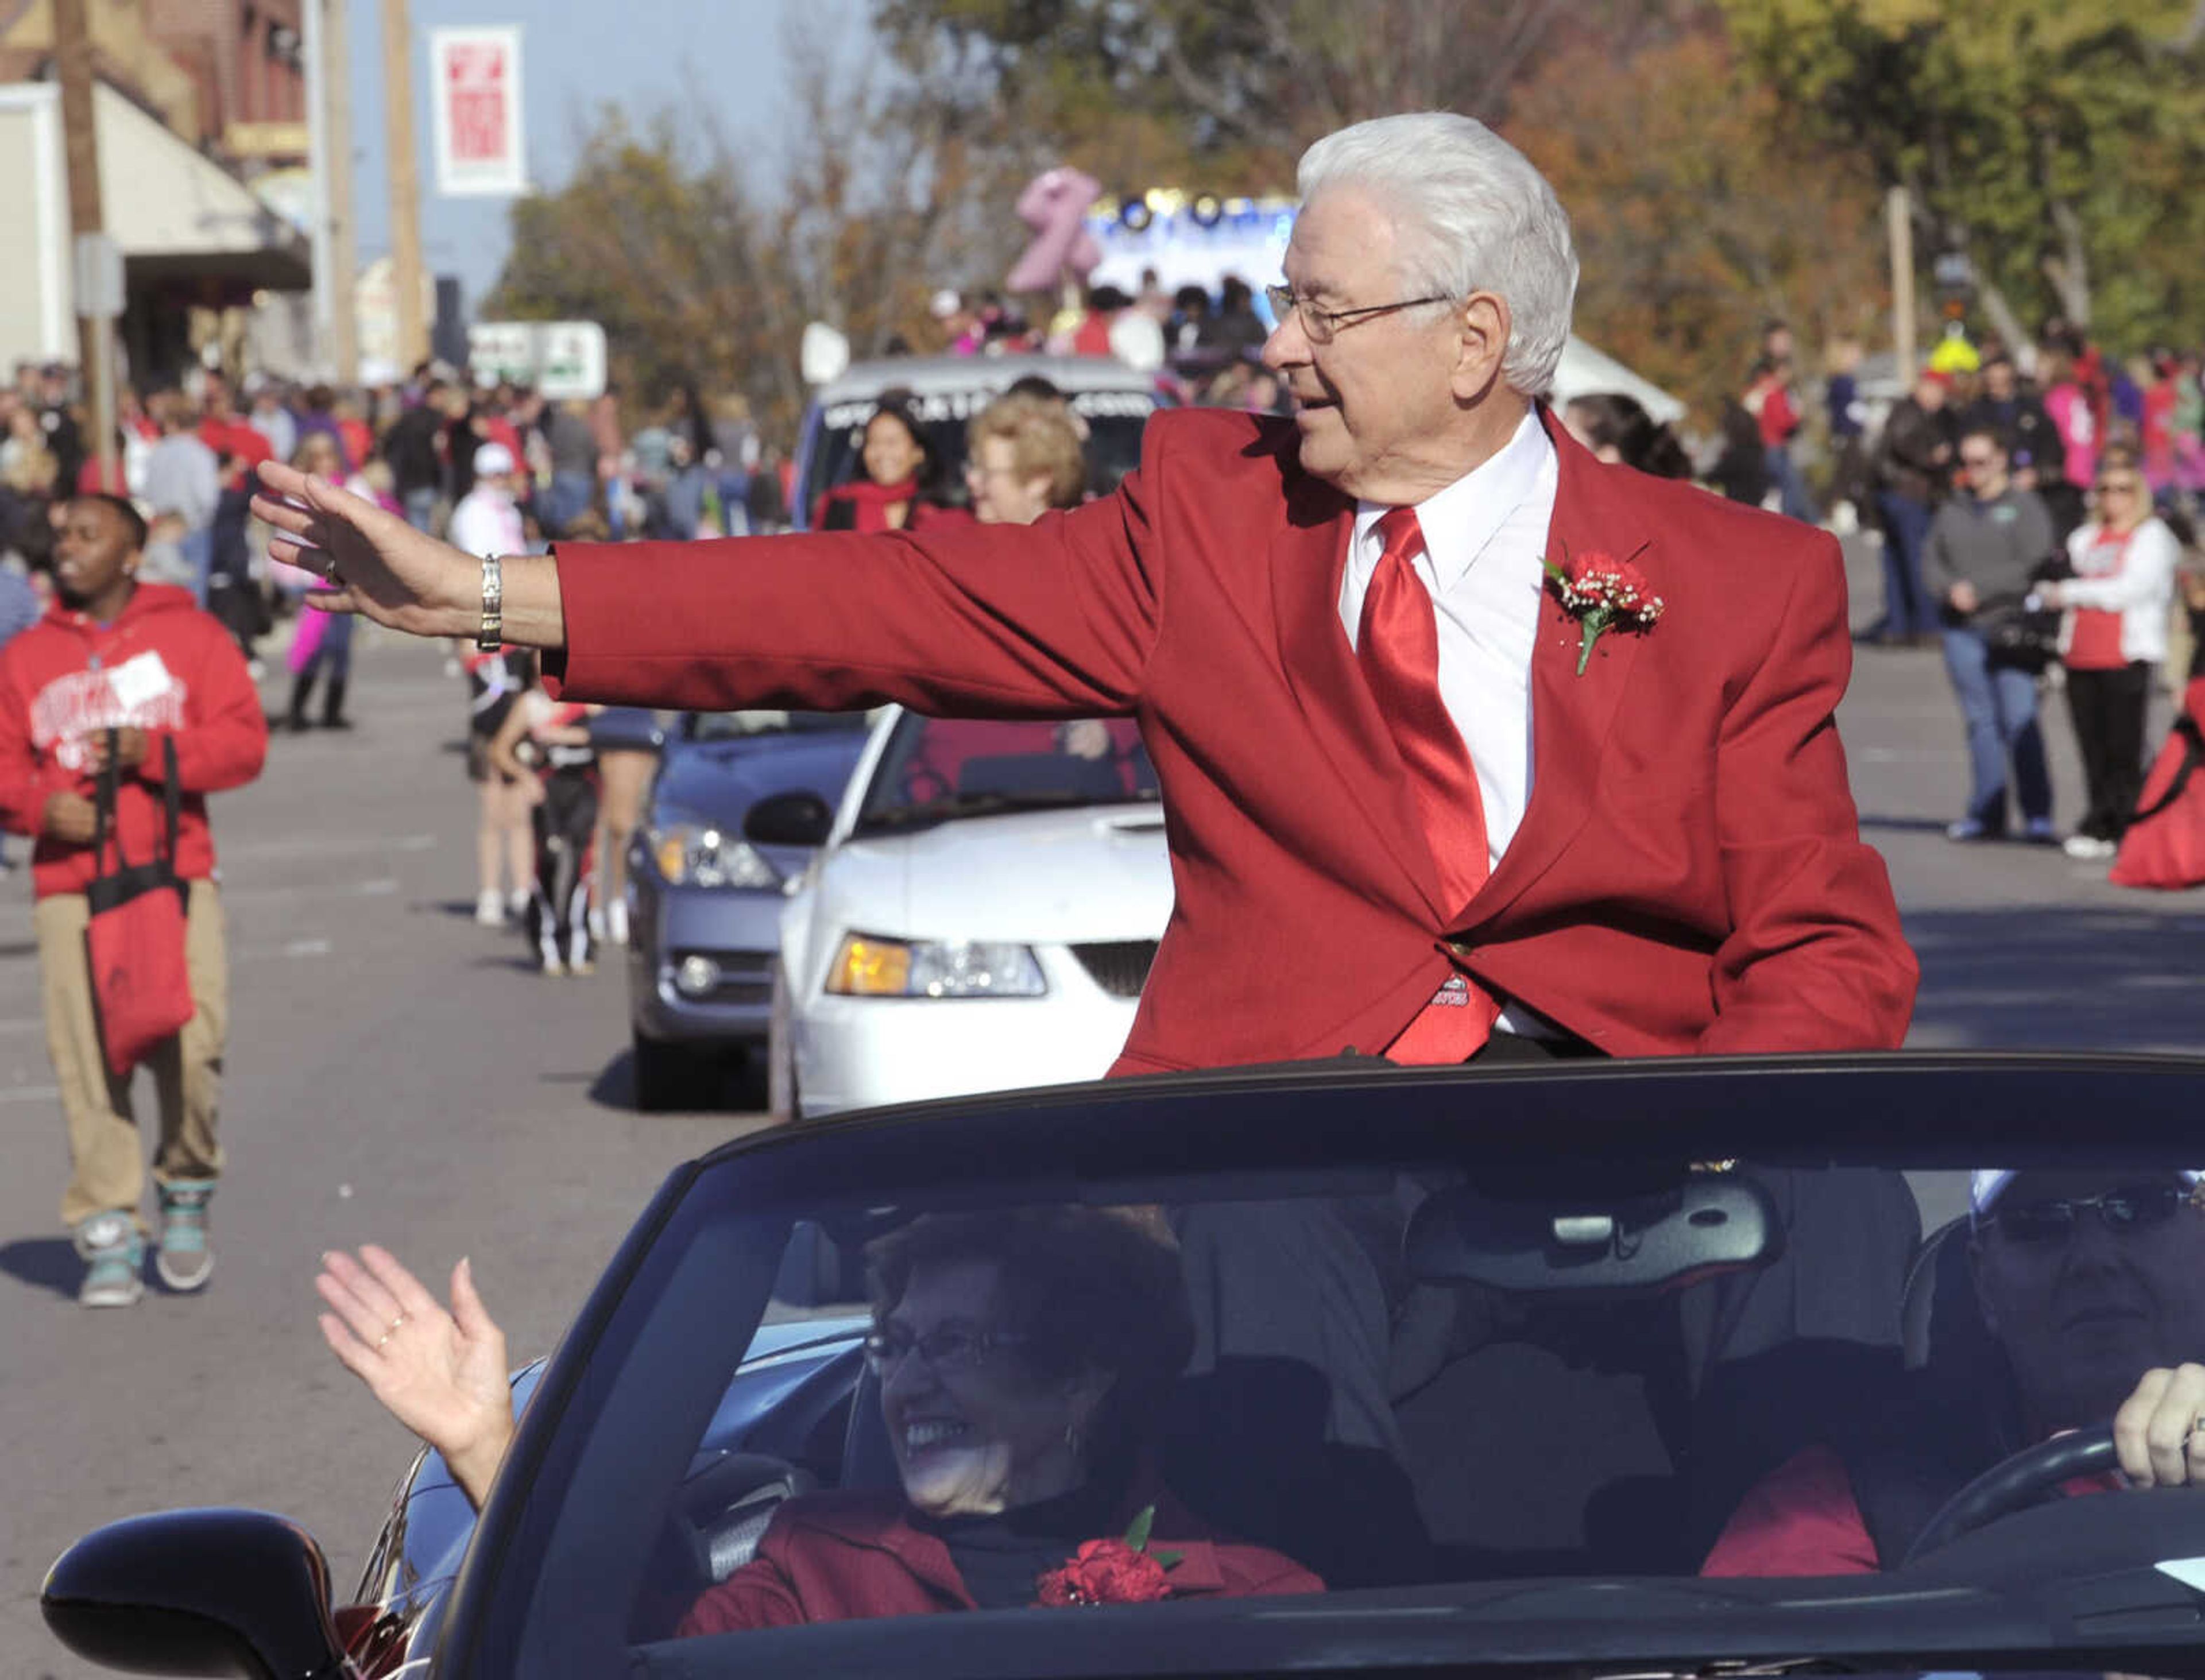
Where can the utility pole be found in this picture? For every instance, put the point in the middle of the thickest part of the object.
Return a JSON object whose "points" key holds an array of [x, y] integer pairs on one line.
{"points": [[1900, 212], [80, 147], [334, 167], [317, 167], [405, 184]]}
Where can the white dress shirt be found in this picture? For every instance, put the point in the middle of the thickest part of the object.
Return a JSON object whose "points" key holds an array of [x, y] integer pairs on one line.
{"points": [[1485, 540]]}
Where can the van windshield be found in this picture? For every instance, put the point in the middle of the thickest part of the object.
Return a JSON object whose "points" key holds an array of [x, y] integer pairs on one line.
{"points": [[1114, 421]]}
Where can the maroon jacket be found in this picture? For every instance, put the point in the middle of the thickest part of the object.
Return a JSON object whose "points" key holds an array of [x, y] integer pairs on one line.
{"points": [[840, 1557], [1689, 875]]}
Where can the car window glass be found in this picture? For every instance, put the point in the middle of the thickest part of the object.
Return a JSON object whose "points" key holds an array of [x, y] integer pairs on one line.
{"points": [[947, 767]]}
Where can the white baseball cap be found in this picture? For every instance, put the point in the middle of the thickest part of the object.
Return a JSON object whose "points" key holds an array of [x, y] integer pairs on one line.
{"points": [[492, 460], [1987, 1184]]}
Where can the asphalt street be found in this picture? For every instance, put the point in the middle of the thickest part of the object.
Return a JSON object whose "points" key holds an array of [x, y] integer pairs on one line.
{"points": [[396, 1073]]}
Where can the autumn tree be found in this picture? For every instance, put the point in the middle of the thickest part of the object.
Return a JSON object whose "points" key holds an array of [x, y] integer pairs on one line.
{"points": [[1697, 215], [2056, 146], [1231, 94], [705, 254]]}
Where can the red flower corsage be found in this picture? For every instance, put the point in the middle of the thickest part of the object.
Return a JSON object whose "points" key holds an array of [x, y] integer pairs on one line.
{"points": [[1112, 1572], [1604, 593]]}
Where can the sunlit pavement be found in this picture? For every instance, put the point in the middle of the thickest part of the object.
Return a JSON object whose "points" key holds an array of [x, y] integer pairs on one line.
{"points": [[398, 1074]]}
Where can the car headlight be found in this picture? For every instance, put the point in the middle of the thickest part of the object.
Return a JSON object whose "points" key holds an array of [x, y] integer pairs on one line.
{"points": [[866, 966], [697, 854]]}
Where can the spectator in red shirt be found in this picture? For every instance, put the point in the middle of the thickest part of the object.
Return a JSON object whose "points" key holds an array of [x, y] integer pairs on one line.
{"points": [[1769, 399], [2088, 1285]]}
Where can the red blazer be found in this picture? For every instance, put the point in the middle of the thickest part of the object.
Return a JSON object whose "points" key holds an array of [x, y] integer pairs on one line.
{"points": [[840, 1557], [1689, 875]]}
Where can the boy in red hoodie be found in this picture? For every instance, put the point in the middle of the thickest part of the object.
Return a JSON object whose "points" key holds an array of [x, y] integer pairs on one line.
{"points": [[140, 659]]}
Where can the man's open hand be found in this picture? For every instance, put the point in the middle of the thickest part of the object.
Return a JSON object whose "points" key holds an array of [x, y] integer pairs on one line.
{"points": [[385, 570], [70, 818]]}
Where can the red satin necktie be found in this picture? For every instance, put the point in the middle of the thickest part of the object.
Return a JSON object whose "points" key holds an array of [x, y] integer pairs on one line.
{"points": [[1398, 647]]}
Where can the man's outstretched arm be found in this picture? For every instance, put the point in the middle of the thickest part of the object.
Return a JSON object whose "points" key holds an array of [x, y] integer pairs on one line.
{"points": [[1056, 619]]}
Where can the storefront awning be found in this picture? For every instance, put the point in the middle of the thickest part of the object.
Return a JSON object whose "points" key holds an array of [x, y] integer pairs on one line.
{"points": [[180, 215]]}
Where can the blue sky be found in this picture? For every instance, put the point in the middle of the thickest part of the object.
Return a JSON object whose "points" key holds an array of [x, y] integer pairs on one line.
{"points": [[639, 54]]}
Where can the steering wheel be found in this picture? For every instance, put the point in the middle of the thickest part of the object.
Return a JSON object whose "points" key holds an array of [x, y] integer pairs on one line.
{"points": [[2016, 1482]]}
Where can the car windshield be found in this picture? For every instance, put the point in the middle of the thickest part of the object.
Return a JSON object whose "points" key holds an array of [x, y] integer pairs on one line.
{"points": [[1354, 1370], [734, 726], [934, 769], [1114, 421]]}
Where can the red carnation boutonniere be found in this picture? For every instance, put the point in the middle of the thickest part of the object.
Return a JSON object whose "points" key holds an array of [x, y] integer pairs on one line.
{"points": [[1602, 594], [1113, 1571]]}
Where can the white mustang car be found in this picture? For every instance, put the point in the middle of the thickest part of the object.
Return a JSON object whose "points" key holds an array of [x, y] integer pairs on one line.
{"points": [[980, 914]]}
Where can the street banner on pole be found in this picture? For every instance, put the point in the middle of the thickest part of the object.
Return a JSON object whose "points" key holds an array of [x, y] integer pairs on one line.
{"points": [[475, 77]]}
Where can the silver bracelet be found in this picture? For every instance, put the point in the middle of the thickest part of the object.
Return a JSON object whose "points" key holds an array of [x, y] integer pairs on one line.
{"points": [[491, 636]]}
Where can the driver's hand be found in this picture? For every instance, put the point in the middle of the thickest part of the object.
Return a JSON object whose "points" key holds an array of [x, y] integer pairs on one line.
{"points": [[443, 1375], [2159, 1430], [386, 570]]}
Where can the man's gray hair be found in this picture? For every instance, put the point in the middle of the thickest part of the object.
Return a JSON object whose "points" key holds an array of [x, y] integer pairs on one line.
{"points": [[1474, 216]]}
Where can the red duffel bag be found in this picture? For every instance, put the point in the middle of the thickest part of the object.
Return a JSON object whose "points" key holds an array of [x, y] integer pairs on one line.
{"points": [[140, 986], [2165, 845]]}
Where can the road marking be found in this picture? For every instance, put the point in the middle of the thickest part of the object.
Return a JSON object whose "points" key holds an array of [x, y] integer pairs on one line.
{"points": [[330, 846], [382, 885], [291, 948]]}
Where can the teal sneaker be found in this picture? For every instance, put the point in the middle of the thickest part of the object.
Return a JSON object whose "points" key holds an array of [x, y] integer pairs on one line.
{"points": [[185, 1259], [114, 1253]]}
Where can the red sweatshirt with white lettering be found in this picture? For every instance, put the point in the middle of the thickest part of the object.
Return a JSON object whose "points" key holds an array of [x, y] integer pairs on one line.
{"points": [[163, 665]]}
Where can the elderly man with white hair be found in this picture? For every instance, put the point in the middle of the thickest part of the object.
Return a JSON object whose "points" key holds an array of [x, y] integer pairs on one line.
{"points": [[1472, 747]]}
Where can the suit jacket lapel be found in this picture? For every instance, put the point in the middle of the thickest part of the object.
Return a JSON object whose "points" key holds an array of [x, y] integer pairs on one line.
{"points": [[1571, 714], [1308, 559]]}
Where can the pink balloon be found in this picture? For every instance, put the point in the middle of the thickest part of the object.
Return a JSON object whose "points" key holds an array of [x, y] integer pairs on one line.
{"points": [[1054, 205]]}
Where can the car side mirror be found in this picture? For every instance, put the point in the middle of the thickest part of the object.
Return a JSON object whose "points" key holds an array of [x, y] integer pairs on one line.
{"points": [[197, 1592], [798, 818], [1640, 1241]]}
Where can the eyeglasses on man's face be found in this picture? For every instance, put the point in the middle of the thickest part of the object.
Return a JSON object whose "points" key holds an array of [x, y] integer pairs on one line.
{"points": [[1322, 324], [2130, 1208]]}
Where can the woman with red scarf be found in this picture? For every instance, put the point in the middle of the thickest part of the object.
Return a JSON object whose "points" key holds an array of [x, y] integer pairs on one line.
{"points": [[899, 469]]}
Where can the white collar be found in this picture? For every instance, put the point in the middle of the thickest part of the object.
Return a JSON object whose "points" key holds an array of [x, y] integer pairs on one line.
{"points": [[1459, 521]]}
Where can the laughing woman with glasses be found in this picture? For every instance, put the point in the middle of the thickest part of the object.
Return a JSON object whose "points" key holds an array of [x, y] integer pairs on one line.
{"points": [[2115, 634], [1022, 1360]]}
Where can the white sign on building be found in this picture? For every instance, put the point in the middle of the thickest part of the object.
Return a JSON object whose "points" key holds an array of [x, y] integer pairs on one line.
{"points": [[561, 359], [475, 86]]}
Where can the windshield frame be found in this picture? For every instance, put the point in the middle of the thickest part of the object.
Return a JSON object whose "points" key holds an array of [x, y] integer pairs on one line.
{"points": [[1263, 1130]]}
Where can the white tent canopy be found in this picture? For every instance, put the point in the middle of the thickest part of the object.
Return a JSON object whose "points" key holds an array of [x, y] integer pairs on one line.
{"points": [[1585, 372]]}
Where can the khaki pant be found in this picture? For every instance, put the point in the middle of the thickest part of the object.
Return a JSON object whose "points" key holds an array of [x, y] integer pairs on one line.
{"points": [[106, 1156]]}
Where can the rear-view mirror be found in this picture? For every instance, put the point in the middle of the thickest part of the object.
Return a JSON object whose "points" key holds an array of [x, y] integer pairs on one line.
{"points": [[799, 818], [1631, 1240]]}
